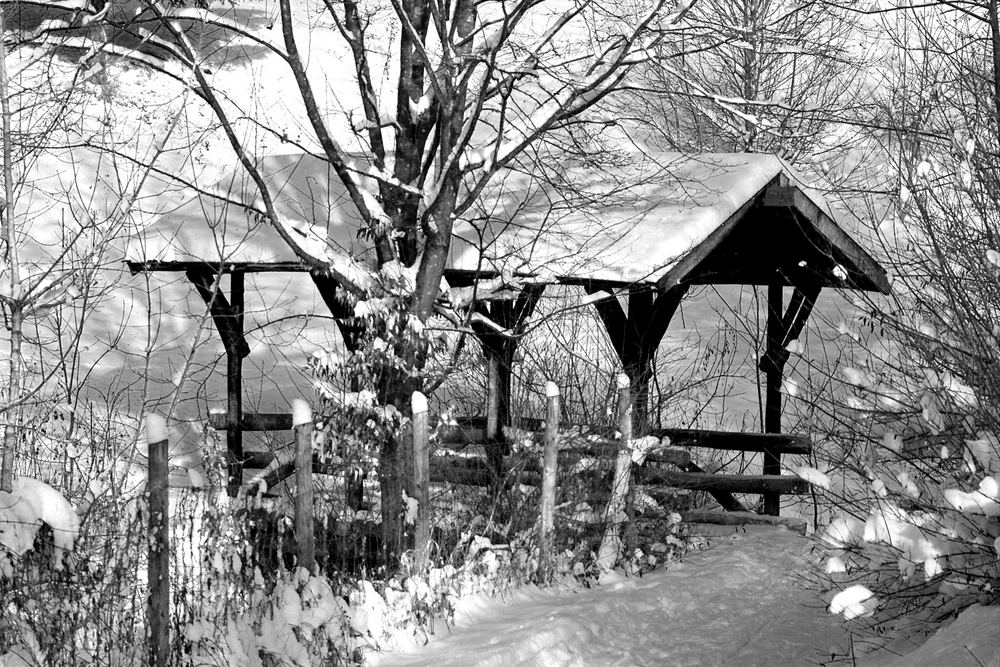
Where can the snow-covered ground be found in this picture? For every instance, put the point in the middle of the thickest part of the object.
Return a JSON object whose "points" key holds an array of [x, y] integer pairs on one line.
{"points": [[743, 601]]}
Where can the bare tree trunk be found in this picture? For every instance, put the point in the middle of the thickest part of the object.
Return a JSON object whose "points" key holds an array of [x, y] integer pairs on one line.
{"points": [[13, 411]]}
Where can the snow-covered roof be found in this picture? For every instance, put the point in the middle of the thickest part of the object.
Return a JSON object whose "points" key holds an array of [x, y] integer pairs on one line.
{"points": [[660, 219]]}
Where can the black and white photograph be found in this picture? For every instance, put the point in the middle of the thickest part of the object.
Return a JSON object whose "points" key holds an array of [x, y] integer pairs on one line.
{"points": [[500, 333]]}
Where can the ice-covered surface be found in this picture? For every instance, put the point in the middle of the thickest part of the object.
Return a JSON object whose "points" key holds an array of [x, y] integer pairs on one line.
{"points": [[743, 601]]}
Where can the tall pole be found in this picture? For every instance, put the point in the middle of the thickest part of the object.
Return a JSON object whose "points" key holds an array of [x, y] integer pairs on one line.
{"points": [[234, 388], [304, 535], [159, 541], [772, 406]]}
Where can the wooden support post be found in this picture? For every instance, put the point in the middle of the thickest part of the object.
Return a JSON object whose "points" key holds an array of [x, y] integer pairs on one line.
{"points": [[493, 391], [157, 486], [304, 535], [421, 481], [228, 318], [499, 349], [234, 389], [611, 543], [626, 421], [550, 469], [772, 406], [636, 335]]}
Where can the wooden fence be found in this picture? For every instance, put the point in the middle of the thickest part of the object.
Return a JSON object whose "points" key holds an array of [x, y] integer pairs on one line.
{"points": [[665, 461]]}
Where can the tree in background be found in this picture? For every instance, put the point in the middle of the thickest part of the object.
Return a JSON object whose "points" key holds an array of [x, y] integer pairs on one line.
{"points": [[754, 75]]}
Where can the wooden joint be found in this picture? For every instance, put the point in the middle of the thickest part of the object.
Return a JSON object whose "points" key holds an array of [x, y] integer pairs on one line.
{"points": [[228, 320]]}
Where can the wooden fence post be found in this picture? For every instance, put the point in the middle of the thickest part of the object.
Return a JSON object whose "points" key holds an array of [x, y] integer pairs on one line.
{"points": [[626, 422], [421, 480], [157, 485], [304, 536], [619, 504], [550, 468]]}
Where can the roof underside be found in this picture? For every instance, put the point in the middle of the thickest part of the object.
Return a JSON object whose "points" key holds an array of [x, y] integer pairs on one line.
{"points": [[662, 220]]}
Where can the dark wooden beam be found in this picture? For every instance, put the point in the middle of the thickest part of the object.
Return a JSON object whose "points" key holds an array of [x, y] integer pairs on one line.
{"points": [[740, 518], [782, 443], [351, 328], [636, 335], [153, 266], [254, 421], [789, 195], [792, 323], [701, 481], [234, 386], [772, 406], [228, 322], [500, 349]]}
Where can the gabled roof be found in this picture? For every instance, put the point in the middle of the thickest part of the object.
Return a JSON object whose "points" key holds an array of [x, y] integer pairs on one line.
{"points": [[661, 219]]}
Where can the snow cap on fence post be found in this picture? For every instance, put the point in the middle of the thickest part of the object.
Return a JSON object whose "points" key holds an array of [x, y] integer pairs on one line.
{"points": [[623, 381], [551, 389], [418, 402], [301, 412], [156, 428]]}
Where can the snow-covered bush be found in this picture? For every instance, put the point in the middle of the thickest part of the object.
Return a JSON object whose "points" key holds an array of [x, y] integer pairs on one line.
{"points": [[915, 456]]}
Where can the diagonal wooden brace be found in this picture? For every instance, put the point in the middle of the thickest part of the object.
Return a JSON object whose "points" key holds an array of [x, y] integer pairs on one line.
{"points": [[351, 327], [226, 318], [794, 320]]}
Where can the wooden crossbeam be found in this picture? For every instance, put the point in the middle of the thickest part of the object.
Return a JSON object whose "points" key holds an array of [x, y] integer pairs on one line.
{"points": [[702, 481], [797, 524], [782, 443], [253, 421], [470, 430]]}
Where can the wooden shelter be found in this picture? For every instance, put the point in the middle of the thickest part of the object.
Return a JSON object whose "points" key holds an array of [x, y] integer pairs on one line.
{"points": [[636, 236]]}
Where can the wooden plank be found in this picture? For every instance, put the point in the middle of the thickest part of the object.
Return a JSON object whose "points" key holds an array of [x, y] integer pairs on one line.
{"points": [[784, 443], [700, 481], [217, 267], [343, 314], [741, 518], [271, 478], [253, 421], [472, 430]]}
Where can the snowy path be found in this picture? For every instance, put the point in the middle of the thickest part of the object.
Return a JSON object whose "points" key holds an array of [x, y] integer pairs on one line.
{"points": [[740, 602]]}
